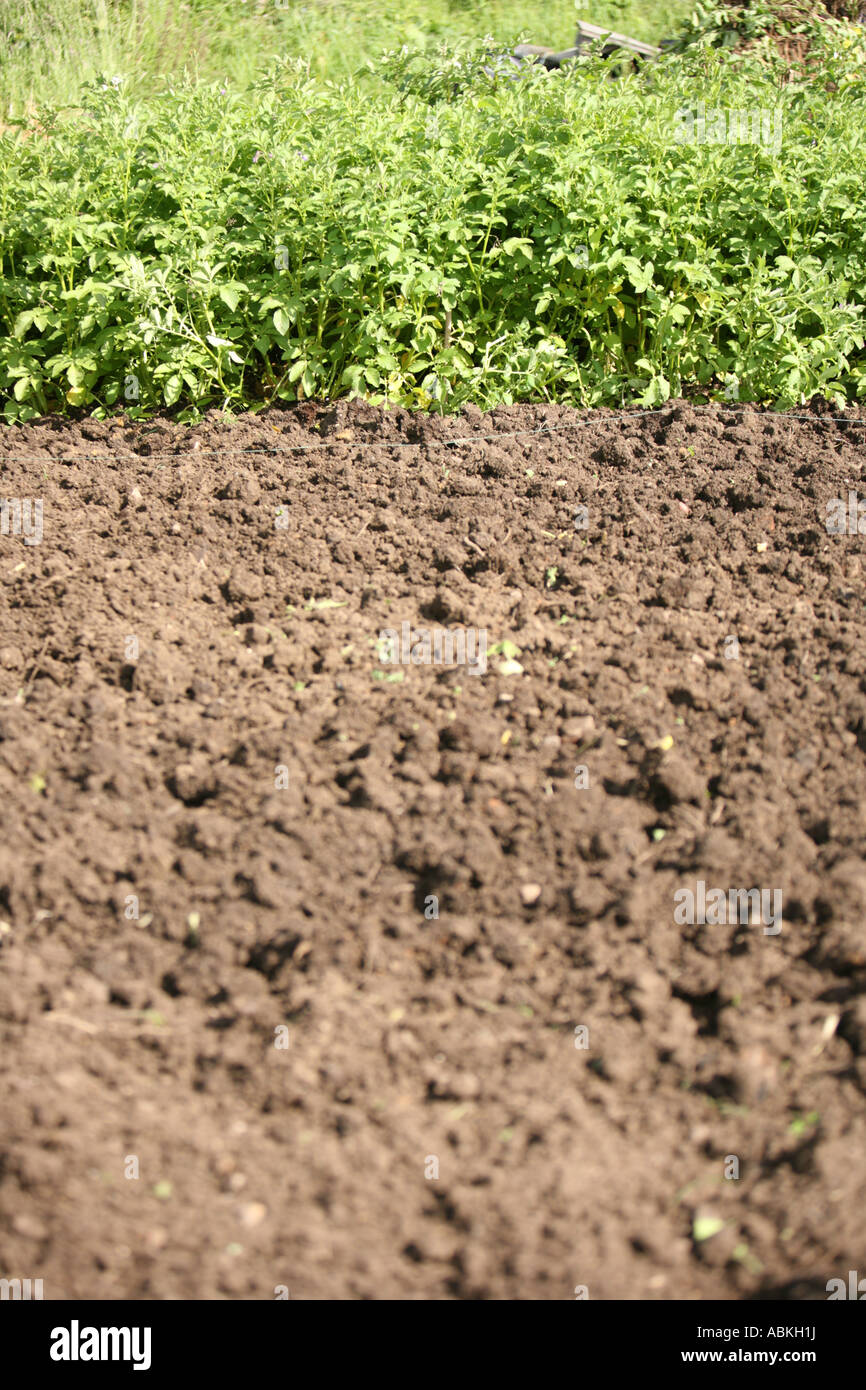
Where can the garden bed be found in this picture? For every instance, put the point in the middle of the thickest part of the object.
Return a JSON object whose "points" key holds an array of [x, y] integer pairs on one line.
{"points": [[230, 825]]}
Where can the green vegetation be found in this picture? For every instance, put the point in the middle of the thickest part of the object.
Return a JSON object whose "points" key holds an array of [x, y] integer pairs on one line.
{"points": [[49, 47], [426, 232]]}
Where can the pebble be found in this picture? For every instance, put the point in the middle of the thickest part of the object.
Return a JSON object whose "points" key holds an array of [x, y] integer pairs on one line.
{"points": [[252, 1214]]}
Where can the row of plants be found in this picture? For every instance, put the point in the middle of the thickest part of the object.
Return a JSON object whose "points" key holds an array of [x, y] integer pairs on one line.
{"points": [[567, 237]]}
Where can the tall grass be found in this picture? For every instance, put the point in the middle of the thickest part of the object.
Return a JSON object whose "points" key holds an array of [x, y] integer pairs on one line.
{"points": [[49, 47]]}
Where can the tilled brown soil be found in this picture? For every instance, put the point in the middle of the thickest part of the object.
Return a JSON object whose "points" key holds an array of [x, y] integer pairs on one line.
{"points": [[322, 1085]]}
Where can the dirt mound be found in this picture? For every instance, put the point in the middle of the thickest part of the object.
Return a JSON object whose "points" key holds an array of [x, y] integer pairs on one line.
{"points": [[367, 979]]}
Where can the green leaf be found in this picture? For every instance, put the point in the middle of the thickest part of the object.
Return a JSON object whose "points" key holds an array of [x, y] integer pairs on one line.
{"points": [[705, 1227], [505, 648], [513, 244]]}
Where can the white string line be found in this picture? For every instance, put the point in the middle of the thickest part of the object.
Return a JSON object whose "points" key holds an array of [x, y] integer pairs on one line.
{"points": [[335, 443]]}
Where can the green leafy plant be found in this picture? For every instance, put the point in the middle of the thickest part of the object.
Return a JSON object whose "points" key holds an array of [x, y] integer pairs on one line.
{"points": [[548, 238]]}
